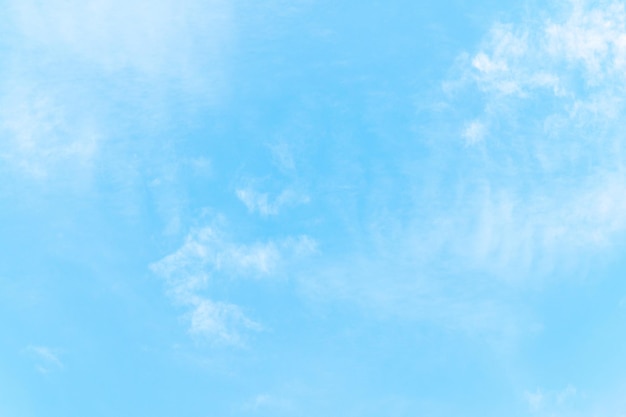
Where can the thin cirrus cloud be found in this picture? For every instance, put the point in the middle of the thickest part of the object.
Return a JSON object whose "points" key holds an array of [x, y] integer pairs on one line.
{"points": [[262, 402], [466, 243], [265, 205], [548, 174], [208, 255], [542, 402], [44, 135], [63, 55], [155, 38], [527, 188], [46, 359]]}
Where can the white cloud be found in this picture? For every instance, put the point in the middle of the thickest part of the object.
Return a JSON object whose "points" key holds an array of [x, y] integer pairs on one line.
{"points": [[266, 402], [201, 167], [209, 255], [526, 237], [548, 185], [219, 321], [536, 203], [593, 36], [207, 249], [62, 54], [468, 267], [46, 359], [534, 399], [567, 393], [403, 276], [154, 38], [263, 203], [552, 402], [283, 155], [544, 53], [474, 132], [42, 135], [497, 69]]}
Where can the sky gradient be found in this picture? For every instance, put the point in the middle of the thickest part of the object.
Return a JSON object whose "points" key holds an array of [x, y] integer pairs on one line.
{"points": [[312, 208]]}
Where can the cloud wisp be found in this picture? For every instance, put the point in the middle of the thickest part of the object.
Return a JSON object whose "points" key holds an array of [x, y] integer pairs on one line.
{"points": [[525, 190], [208, 255], [265, 205], [46, 359], [162, 39], [41, 137], [546, 161], [61, 55]]}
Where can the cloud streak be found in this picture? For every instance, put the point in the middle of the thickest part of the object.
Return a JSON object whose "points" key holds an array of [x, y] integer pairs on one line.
{"points": [[548, 174], [46, 359], [60, 56], [43, 135], [263, 204], [526, 189], [153, 39], [209, 255]]}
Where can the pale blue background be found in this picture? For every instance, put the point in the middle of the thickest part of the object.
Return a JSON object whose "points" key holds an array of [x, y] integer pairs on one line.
{"points": [[312, 208]]}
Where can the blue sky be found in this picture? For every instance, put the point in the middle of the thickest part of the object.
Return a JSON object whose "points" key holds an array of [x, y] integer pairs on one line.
{"points": [[312, 208]]}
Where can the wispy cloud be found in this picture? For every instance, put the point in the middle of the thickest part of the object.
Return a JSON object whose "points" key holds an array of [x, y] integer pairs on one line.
{"points": [[474, 132], [266, 402], [43, 135], [219, 321], [526, 189], [546, 178], [593, 35], [552, 402], [265, 205], [154, 39], [406, 286], [208, 254], [62, 54], [46, 359], [516, 59]]}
